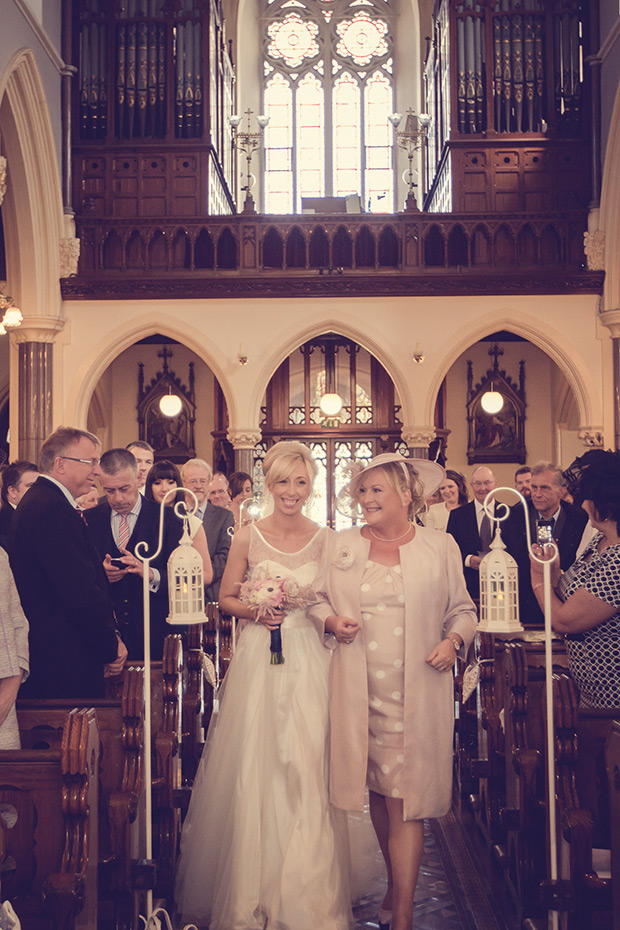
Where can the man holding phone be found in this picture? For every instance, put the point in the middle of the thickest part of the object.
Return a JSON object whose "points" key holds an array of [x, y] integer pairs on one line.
{"points": [[118, 524], [550, 518]]}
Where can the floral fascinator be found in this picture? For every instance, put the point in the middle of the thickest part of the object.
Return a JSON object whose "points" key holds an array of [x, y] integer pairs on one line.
{"points": [[429, 474]]}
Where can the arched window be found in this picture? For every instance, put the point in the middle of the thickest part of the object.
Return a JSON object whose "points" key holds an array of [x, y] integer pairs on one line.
{"points": [[328, 90]]}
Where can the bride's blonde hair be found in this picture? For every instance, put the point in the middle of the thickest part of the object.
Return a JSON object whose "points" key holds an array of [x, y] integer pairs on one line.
{"points": [[283, 457]]}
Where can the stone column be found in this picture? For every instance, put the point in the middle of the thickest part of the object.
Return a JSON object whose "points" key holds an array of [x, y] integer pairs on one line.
{"points": [[611, 319], [35, 341], [244, 441], [418, 439]]}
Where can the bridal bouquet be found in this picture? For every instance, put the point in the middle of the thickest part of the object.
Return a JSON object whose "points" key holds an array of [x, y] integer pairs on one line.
{"points": [[270, 594]]}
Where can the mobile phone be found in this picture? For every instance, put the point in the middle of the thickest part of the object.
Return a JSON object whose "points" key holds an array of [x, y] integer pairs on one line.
{"points": [[544, 535], [118, 563]]}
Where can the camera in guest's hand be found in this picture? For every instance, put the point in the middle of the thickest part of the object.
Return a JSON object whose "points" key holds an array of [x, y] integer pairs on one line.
{"points": [[544, 534]]}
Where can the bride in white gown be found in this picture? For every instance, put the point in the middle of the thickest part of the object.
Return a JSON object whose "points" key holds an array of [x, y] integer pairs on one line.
{"points": [[261, 847]]}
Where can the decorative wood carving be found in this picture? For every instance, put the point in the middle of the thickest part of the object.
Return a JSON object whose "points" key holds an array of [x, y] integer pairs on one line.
{"points": [[498, 437], [171, 437]]}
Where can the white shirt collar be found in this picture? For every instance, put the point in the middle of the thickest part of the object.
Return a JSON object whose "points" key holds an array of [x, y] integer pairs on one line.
{"points": [[64, 490]]}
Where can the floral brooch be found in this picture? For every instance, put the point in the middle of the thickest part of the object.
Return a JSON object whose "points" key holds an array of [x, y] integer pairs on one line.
{"points": [[343, 558]]}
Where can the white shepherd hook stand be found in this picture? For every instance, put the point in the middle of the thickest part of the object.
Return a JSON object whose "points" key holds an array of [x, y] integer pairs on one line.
{"points": [[159, 918], [552, 886]]}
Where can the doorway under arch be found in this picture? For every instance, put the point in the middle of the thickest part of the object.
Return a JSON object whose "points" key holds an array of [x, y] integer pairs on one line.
{"points": [[369, 422]]}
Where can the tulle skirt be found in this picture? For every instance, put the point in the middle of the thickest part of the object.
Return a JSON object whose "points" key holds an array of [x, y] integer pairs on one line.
{"points": [[261, 846]]}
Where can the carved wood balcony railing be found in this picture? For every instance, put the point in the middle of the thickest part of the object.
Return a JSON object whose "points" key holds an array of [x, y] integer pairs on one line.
{"points": [[369, 255]]}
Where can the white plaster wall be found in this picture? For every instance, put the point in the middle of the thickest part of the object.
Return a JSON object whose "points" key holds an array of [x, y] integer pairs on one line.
{"points": [[562, 327]]}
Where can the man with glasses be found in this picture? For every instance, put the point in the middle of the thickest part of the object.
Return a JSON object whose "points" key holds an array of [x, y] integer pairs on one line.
{"points": [[61, 582], [197, 476], [472, 528]]}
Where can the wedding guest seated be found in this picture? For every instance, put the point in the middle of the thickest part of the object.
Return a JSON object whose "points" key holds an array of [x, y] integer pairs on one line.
{"points": [[163, 477], [585, 601], [17, 477], [13, 655], [453, 491]]}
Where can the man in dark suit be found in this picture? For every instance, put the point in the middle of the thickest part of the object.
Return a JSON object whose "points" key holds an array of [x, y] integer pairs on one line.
{"points": [[61, 583], [547, 512], [217, 521], [471, 530], [117, 525]]}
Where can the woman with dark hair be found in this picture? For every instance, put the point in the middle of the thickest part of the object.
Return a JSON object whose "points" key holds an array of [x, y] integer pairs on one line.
{"points": [[585, 602], [453, 490], [162, 477], [17, 477], [240, 489]]}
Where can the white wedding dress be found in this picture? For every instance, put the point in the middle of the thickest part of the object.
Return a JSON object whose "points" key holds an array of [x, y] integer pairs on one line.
{"points": [[261, 847]]}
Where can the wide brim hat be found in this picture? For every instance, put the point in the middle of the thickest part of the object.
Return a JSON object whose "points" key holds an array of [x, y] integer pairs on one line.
{"points": [[430, 475]]}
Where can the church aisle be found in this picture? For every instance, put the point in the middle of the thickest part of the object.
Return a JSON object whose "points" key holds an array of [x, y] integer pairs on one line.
{"points": [[449, 895]]}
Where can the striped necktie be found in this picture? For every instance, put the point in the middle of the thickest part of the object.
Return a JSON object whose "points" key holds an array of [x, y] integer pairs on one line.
{"points": [[123, 532]]}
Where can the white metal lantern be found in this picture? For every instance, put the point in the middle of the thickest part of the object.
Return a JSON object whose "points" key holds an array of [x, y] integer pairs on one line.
{"points": [[186, 591], [499, 590]]}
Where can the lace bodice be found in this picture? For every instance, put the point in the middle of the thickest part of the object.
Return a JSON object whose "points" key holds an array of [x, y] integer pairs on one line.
{"points": [[303, 565]]}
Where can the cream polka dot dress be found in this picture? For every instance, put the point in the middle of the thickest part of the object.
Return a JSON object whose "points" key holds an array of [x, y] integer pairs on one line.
{"points": [[383, 620]]}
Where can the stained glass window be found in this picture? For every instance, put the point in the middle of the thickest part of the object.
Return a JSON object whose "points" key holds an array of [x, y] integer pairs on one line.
{"points": [[328, 90]]}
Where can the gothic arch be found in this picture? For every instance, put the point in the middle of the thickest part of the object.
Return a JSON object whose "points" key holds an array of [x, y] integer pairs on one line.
{"points": [[292, 341], [551, 342], [32, 208], [94, 363]]}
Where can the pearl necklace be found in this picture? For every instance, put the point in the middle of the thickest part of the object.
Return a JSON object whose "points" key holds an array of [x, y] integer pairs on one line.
{"points": [[383, 539]]}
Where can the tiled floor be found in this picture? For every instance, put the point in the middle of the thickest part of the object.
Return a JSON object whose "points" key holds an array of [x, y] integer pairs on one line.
{"points": [[449, 895]]}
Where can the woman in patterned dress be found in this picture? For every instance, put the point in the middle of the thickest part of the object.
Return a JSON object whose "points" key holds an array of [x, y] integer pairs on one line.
{"points": [[13, 654], [400, 589], [585, 602]]}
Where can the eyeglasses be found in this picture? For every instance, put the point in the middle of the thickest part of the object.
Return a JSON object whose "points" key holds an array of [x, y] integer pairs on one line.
{"points": [[92, 462]]}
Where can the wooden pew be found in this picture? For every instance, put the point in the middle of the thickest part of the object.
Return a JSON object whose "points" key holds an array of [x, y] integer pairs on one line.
{"points": [[583, 801], [120, 723], [193, 703], [167, 721], [613, 775], [54, 841]]}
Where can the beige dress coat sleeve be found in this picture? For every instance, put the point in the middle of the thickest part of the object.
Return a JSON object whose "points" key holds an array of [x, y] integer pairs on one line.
{"points": [[436, 602]]}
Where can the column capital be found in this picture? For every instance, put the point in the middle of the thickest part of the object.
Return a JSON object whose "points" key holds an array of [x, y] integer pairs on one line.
{"points": [[244, 438], [68, 255], [37, 329], [418, 437], [592, 436], [594, 247], [611, 319]]}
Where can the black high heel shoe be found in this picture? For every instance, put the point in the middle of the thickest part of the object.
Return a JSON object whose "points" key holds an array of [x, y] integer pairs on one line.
{"points": [[384, 913], [384, 926]]}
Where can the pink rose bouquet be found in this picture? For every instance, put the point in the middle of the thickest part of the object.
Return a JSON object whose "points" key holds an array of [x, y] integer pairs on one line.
{"points": [[271, 594]]}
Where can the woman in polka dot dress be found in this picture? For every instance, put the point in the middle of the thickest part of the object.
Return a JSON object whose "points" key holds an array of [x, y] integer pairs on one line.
{"points": [[394, 598], [586, 603]]}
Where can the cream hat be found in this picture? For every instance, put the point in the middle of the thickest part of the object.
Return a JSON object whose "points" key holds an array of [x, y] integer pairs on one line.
{"points": [[430, 473]]}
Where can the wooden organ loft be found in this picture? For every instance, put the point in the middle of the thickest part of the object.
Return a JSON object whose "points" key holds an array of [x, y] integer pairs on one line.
{"points": [[153, 93], [507, 88], [511, 163]]}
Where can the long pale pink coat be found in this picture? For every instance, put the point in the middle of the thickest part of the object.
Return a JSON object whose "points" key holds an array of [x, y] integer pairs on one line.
{"points": [[436, 602]]}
